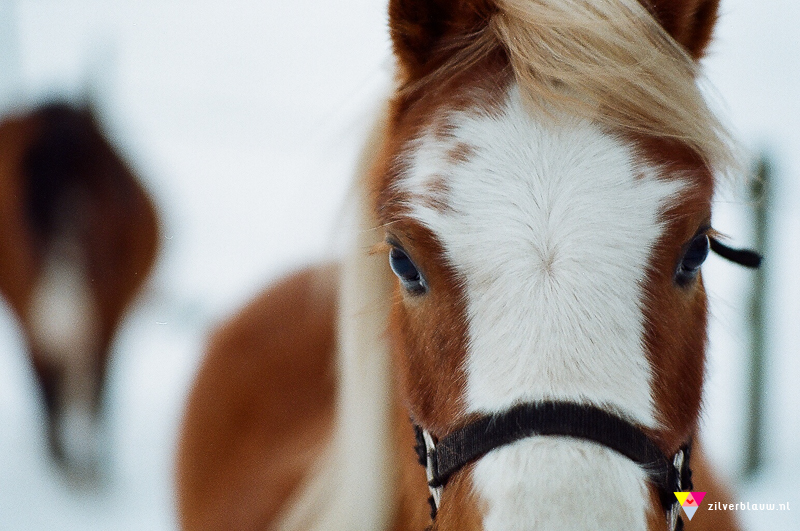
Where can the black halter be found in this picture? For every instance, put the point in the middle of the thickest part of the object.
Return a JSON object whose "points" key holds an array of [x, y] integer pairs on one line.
{"points": [[743, 257], [452, 452]]}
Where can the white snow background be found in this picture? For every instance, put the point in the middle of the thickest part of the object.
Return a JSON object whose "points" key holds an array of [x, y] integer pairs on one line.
{"points": [[244, 118]]}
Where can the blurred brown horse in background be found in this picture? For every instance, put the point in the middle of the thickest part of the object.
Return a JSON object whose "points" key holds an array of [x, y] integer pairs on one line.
{"points": [[78, 237]]}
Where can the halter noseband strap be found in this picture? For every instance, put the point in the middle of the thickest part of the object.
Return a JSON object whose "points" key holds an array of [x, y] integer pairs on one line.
{"points": [[451, 453]]}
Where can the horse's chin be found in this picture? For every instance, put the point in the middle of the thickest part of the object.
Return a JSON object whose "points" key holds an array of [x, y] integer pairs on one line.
{"points": [[76, 440]]}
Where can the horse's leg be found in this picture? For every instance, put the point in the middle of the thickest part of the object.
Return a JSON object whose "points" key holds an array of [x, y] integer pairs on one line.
{"points": [[261, 407]]}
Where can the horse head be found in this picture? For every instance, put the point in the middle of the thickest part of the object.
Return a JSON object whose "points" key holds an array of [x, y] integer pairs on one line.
{"points": [[545, 190]]}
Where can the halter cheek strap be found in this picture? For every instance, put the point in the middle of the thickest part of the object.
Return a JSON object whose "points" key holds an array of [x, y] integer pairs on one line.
{"points": [[743, 257]]}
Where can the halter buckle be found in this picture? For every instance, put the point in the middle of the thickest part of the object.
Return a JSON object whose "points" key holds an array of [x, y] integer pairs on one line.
{"points": [[679, 464], [434, 487]]}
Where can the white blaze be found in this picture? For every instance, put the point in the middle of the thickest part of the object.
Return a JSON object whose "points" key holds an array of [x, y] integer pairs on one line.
{"points": [[551, 224], [65, 329]]}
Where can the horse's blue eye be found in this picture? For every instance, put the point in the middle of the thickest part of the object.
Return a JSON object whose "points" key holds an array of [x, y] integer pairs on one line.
{"points": [[406, 271], [692, 260]]}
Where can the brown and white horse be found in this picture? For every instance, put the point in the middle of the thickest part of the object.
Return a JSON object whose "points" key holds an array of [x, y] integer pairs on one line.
{"points": [[541, 190], [78, 237]]}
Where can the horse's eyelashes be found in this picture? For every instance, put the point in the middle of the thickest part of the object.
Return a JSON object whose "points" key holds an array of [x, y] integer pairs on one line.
{"points": [[694, 257], [406, 271]]}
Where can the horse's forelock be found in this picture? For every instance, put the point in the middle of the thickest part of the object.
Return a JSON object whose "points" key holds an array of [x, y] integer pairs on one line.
{"points": [[610, 61]]}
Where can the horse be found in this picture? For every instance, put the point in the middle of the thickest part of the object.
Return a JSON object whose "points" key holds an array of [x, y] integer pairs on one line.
{"points": [[516, 335], [78, 238]]}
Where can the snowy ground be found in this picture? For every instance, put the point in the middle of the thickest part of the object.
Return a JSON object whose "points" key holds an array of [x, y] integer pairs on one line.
{"points": [[244, 119]]}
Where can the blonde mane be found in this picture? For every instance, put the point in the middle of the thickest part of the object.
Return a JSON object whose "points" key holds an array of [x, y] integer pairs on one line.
{"points": [[607, 60], [351, 484]]}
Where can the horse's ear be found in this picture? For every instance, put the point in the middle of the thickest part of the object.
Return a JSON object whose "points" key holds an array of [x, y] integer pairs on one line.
{"points": [[690, 22], [419, 27]]}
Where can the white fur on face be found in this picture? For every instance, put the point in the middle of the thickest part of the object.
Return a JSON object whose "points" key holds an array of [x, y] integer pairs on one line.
{"points": [[550, 224], [63, 311], [64, 321]]}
